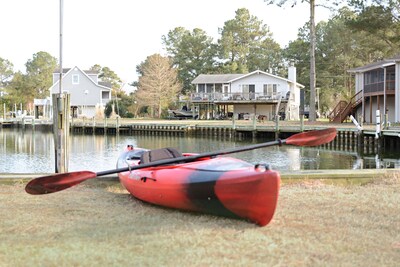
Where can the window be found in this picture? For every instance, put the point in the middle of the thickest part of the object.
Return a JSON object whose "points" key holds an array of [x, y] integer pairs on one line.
{"points": [[270, 89], [201, 88], [210, 88], [245, 88], [226, 90], [248, 91], [390, 78], [373, 81], [245, 92], [75, 79], [105, 95]]}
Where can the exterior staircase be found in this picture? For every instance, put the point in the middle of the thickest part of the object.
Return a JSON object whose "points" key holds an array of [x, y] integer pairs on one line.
{"points": [[344, 109]]}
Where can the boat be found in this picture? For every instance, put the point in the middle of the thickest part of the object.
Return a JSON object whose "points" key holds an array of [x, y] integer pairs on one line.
{"points": [[223, 186], [182, 114]]}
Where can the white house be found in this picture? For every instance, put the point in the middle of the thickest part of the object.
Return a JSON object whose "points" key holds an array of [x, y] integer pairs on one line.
{"points": [[86, 92], [257, 93]]}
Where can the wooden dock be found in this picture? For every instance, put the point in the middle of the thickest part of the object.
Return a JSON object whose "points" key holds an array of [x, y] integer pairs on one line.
{"points": [[349, 138]]}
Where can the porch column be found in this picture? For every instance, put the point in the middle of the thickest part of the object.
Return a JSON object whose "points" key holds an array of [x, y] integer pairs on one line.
{"points": [[370, 109], [397, 93], [359, 80], [378, 102], [254, 117], [384, 93]]}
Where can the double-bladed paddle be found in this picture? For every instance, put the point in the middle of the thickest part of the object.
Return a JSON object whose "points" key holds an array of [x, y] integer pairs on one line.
{"points": [[61, 181]]}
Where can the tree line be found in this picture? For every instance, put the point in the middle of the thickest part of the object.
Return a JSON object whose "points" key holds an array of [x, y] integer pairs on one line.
{"points": [[357, 34]]}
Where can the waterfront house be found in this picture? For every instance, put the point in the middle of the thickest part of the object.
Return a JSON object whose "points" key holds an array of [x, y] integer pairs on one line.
{"points": [[245, 96], [377, 87], [87, 93]]}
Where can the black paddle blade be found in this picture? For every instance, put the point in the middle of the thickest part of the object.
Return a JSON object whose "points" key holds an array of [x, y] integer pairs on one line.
{"points": [[57, 182], [312, 138]]}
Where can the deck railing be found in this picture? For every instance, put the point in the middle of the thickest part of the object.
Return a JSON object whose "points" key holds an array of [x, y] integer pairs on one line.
{"points": [[379, 87], [207, 97]]}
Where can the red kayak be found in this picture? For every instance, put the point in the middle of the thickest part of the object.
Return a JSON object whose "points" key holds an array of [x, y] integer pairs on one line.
{"points": [[221, 186]]}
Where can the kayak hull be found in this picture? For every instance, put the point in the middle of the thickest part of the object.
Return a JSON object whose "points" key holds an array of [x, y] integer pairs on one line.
{"points": [[221, 186]]}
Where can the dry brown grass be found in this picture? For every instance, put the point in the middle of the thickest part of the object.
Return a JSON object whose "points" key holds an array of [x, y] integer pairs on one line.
{"points": [[99, 224]]}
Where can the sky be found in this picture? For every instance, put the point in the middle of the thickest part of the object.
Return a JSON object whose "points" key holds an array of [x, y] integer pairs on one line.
{"points": [[121, 34]]}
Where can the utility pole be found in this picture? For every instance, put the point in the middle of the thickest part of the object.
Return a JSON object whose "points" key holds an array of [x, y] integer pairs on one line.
{"points": [[61, 111], [312, 116]]}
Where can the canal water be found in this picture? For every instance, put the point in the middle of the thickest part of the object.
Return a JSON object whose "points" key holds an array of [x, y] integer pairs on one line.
{"points": [[33, 152]]}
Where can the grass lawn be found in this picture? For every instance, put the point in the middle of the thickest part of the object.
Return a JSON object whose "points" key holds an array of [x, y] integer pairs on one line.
{"points": [[98, 223]]}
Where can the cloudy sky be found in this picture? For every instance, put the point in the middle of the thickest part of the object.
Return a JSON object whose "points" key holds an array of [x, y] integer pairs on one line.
{"points": [[120, 34]]}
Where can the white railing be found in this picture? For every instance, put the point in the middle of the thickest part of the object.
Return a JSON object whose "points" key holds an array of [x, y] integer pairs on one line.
{"points": [[207, 97]]}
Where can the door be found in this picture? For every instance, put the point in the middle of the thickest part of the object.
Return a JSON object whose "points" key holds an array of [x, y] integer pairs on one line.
{"points": [[252, 91], [226, 91]]}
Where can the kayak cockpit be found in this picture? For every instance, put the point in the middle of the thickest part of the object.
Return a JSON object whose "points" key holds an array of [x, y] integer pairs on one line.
{"points": [[130, 157]]}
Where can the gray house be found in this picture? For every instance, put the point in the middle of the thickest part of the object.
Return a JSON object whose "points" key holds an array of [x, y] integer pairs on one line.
{"points": [[377, 88], [87, 94], [257, 93]]}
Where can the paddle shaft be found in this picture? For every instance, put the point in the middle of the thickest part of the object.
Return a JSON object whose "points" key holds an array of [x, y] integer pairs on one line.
{"points": [[192, 158]]}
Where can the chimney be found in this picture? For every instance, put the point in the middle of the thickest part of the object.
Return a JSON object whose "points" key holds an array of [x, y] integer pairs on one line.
{"points": [[292, 72]]}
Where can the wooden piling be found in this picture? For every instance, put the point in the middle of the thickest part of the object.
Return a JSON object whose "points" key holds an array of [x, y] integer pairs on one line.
{"points": [[61, 112]]}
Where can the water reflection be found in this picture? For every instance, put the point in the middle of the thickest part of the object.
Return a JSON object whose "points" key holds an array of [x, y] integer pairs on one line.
{"points": [[33, 152]]}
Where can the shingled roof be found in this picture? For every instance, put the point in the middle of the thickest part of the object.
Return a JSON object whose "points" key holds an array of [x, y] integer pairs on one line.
{"points": [[216, 78], [65, 70], [376, 65]]}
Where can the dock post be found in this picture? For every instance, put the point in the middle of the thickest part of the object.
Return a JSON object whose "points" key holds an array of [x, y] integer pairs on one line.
{"points": [[61, 111], [360, 141], [386, 122], [105, 125], [277, 126], [378, 136], [302, 123], [84, 124], [23, 124], [72, 125]]}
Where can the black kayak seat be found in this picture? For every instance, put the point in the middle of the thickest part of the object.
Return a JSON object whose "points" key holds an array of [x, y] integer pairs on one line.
{"points": [[159, 154]]}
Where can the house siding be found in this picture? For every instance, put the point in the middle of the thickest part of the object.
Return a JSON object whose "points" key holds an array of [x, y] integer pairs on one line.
{"points": [[86, 94], [259, 80]]}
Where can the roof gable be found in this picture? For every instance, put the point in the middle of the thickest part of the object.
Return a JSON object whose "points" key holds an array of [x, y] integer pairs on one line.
{"points": [[68, 71]]}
